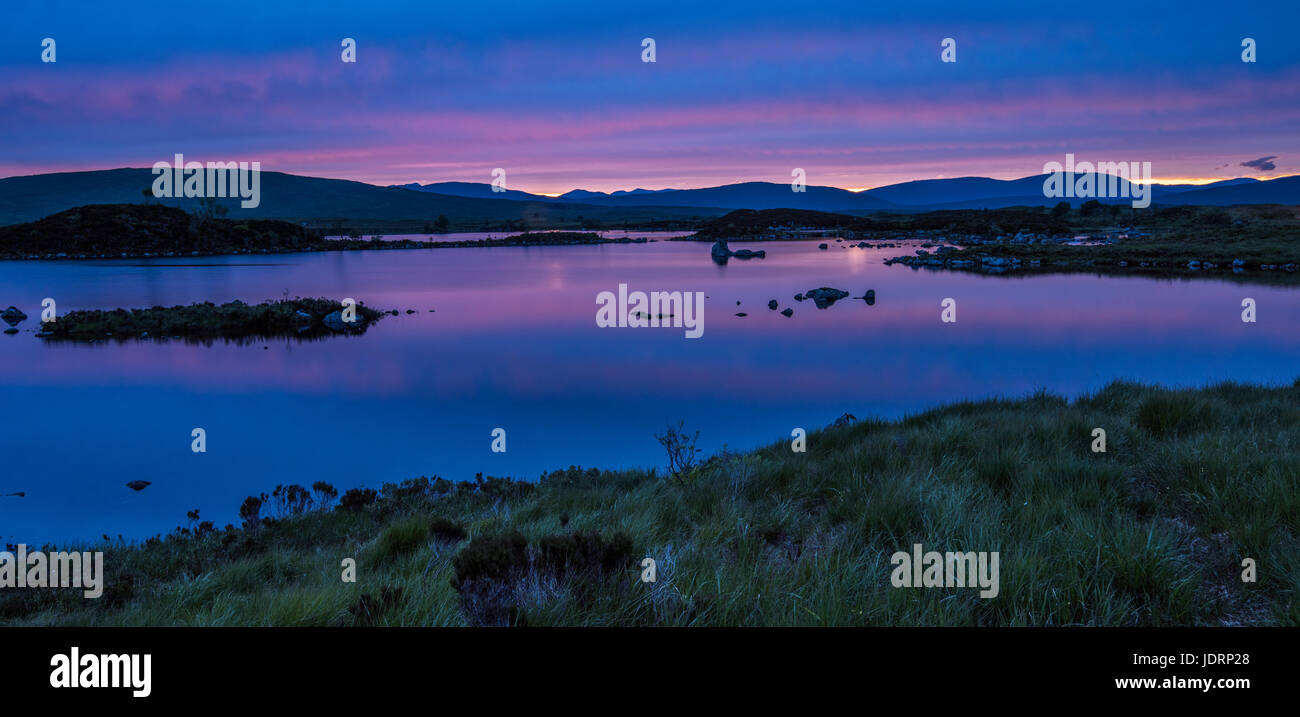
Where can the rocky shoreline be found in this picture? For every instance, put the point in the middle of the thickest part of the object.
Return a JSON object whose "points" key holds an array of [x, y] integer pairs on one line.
{"points": [[1004, 258]]}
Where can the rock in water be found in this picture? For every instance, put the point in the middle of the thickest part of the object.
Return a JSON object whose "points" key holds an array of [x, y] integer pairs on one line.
{"points": [[720, 249], [335, 322], [825, 296], [772, 304], [138, 485], [787, 313], [12, 316]]}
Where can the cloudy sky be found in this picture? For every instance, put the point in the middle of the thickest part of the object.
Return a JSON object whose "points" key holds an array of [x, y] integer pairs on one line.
{"points": [[556, 93]]}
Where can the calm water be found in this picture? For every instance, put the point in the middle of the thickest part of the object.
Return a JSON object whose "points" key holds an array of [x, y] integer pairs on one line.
{"points": [[513, 343], [479, 236]]}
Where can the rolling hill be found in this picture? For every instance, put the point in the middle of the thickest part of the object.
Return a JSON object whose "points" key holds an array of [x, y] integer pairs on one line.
{"points": [[467, 205], [314, 200]]}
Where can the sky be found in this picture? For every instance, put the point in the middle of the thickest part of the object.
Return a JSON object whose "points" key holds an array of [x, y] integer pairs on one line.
{"points": [[558, 95]]}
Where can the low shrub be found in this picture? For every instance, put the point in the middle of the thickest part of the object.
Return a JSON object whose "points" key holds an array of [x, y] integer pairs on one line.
{"points": [[1175, 414], [449, 530], [400, 538], [357, 498], [586, 553]]}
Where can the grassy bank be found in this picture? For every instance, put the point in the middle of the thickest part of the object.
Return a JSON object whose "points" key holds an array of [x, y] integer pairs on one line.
{"points": [[1185, 240], [1151, 532]]}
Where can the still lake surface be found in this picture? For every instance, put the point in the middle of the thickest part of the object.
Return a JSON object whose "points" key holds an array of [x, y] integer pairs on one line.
{"points": [[513, 343]]}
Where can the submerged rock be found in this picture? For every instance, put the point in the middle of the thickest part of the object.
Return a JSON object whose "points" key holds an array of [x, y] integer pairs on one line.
{"points": [[138, 485]]}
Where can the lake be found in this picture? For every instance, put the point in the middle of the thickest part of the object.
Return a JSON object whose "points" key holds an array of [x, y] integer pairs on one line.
{"points": [[480, 236], [513, 343]]}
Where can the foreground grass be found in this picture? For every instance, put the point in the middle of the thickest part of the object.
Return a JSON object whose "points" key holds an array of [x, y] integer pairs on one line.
{"points": [[1151, 532]]}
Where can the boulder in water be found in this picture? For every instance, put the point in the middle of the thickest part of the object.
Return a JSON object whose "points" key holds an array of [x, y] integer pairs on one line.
{"points": [[335, 322], [12, 316], [825, 296]]}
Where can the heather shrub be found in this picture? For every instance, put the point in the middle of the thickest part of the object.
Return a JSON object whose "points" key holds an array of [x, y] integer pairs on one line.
{"points": [[357, 498], [448, 530]]}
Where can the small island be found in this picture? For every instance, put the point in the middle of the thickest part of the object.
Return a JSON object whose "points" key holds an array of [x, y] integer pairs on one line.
{"points": [[297, 318]]}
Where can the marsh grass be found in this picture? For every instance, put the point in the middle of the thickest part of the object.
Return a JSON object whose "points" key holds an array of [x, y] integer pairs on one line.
{"points": [[1151, 532]]}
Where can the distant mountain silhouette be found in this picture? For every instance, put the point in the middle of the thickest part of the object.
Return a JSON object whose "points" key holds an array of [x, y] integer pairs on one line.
{"points": [[919, 195], [299, 198], [1285, 190], [473, 189], [747, 195]]}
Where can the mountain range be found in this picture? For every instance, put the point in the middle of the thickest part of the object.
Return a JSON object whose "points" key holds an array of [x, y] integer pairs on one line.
{"points": [[920, 195], [468, 204]]}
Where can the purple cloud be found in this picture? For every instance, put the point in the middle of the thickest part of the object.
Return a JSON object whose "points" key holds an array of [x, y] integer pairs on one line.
{"points": [[1263, 164]]}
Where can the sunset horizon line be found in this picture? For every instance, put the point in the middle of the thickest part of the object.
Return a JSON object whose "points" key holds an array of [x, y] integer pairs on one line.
{"points": [[552, 193]]}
